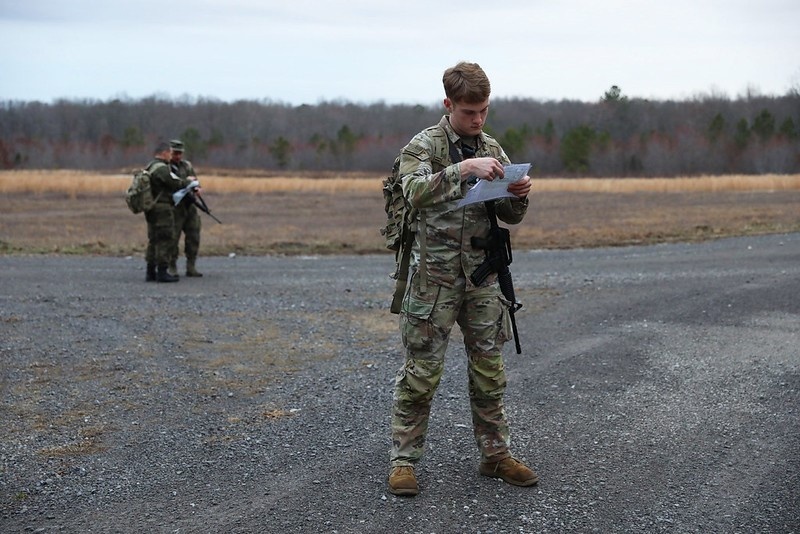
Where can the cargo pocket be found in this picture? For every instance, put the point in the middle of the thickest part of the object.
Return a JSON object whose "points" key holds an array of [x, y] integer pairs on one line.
{"points": [[415, 318]]}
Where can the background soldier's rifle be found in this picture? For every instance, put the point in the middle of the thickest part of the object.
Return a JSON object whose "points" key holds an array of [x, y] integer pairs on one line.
{"points": [[188, 194], [497, 246]]}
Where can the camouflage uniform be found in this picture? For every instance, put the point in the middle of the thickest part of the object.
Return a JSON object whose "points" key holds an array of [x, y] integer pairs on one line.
{"points": [[187, 220], [440, 294], [160, 219]]}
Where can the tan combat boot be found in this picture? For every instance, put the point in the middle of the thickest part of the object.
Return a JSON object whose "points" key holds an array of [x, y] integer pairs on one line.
{"points": [[173, 268], [402, 481], [190, 268], [510, 470]]}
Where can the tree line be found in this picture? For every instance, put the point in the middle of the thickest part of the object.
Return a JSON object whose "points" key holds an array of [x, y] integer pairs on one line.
{"points": [[614, 136]]}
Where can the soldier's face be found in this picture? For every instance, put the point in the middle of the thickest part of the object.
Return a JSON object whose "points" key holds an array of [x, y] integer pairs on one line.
{"points": [[177, 156], [467, 119]]}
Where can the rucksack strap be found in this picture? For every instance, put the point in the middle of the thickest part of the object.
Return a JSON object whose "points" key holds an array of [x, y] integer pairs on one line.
{"points": [[455, 157], [423, 253], [407, 242], [154, 164]]}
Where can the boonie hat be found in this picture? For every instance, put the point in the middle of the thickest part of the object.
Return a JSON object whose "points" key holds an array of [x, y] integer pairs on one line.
{"points": [[176, 145]]}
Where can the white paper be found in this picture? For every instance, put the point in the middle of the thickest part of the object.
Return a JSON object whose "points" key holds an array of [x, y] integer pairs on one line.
{"points": [[177, 196], [498, 188]]}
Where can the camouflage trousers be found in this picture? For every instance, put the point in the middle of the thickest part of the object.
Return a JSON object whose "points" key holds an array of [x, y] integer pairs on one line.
{"points": [[426, 320], [160, 233], [187, 221]]}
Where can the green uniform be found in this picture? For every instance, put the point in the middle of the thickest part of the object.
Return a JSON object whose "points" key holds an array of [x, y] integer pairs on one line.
{"points": [[187, 219], [160, 219], [432, 183]]}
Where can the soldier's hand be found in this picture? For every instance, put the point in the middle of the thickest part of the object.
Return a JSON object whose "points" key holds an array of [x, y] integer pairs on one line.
{"points": [[521, 188], [481, 168]]}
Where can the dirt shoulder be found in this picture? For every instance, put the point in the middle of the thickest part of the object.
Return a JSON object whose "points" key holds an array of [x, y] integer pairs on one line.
{"points": [[302, 222]]}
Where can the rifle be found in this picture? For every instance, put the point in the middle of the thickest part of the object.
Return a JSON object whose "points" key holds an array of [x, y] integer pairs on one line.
{"points": [[497, 246], [188, 194]]}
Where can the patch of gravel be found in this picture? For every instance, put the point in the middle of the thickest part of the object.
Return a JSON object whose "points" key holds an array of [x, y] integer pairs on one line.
{"points": [[658, 391]]}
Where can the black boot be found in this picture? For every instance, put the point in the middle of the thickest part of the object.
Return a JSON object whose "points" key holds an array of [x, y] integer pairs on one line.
{"points": [[151, 273], [164, 276]]}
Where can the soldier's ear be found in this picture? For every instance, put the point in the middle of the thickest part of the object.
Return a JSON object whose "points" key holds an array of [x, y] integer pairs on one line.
{"points": [[448, 104]]}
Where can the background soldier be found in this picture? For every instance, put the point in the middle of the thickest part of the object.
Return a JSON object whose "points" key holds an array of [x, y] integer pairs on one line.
{"points": [[160, 219], [441, 293], [187, 217]]}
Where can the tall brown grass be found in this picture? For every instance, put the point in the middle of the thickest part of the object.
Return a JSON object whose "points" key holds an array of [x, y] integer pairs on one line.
{"points": [[82, 183]]}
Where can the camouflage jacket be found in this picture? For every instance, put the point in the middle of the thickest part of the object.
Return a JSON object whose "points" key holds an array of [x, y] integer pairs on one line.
{"points": [[184, 170], [432, 183], [162, 181]]}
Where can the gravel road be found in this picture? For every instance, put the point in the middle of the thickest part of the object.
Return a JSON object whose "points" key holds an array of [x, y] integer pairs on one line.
{"points": [[658, 391]]}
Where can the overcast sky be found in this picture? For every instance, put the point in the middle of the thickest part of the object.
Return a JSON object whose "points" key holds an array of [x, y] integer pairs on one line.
{"points": [[365, 51]]}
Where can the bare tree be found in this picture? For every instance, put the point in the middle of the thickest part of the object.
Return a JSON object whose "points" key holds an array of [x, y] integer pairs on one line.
{"points": [[629, 136]]}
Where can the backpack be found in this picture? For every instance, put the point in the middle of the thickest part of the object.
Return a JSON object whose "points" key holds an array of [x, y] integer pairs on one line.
{"points": [[402, 221], [399, 230], [398, 211], [139, 195]]}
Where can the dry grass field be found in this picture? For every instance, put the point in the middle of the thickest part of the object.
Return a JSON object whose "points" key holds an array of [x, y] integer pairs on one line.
{"points": [[76, 212]]}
